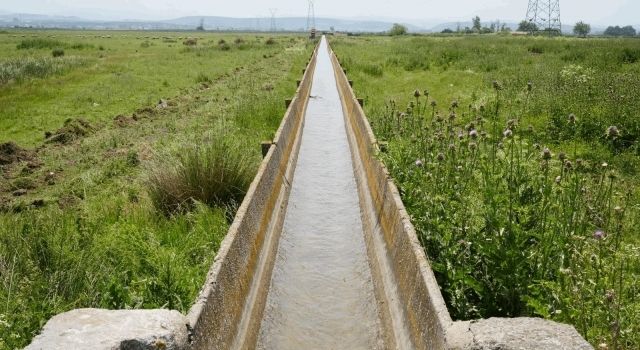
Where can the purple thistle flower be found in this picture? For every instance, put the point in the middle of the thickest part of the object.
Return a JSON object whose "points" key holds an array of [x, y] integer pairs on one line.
{"points": [[599, 234], [473, 134]]}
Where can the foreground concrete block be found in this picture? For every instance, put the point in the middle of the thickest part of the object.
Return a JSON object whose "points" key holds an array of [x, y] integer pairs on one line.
{"points": [[122, 329], [522, 333]]}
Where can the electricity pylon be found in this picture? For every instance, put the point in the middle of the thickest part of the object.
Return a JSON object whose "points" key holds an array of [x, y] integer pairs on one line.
{"points": [[545, 14]]}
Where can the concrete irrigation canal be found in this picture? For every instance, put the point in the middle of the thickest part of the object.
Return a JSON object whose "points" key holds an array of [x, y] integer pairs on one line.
{"points": [[321, 255]]}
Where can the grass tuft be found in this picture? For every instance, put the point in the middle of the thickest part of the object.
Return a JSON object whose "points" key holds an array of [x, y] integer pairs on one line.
{"points": [[216, 173]]}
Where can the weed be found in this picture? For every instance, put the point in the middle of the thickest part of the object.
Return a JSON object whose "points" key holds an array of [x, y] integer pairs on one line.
{"points": [[203, 78]]}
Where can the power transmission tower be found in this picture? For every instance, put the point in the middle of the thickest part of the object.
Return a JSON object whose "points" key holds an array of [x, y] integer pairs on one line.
{"points": [[273, 20], [545, 14], [311, 16]]}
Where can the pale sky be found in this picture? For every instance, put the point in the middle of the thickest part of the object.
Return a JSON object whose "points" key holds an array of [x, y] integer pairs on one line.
{"points": [[426, 11]]}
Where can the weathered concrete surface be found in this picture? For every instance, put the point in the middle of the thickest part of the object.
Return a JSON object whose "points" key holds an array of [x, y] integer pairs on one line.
{"points": [[122, 329], [517, 334]]}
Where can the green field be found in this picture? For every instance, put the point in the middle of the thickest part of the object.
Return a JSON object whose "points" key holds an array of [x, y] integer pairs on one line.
{"points": [[518, 160], [100, 140]]}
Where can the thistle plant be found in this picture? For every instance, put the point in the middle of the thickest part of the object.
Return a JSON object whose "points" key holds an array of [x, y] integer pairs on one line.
{"points": [[514, 227]]}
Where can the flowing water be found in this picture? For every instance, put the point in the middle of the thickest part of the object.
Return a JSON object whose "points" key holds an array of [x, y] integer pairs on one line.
{"points": [[321, 294]]}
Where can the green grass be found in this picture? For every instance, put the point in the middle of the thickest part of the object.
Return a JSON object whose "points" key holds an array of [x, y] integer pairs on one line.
{"points": [[87, 232], [512, 229]]}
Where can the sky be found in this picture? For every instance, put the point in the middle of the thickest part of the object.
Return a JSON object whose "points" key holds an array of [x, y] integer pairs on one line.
{"points": [[603, 12]]}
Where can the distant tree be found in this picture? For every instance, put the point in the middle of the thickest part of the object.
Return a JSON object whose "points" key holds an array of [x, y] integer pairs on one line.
{"points": [[201, 26], [398, 29], [447, 31], [526, 26], [582, 29], [617, 31], [477, 25]]}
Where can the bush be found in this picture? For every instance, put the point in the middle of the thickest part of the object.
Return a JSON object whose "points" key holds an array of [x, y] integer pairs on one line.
{"points": [[224, 47], [238, 41], [216, 173], [270, 41], [57, 52]]}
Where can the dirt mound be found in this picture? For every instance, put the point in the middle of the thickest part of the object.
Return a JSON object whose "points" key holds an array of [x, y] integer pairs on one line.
{"points": [[11, 153], [123, 121], [73, 129]]}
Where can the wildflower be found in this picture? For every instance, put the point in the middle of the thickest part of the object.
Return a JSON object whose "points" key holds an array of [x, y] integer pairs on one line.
{"points": [[605, 164], [568, 165], [470, 126], [452, 147], [440, 157], [409, 110], [579, 162], [500, 145], [507, 133], [546, 154], [438, 118], [426, 93], [572, 119], [419, 163], [511, 123], [562, 156], [454, 104], [473, 146], [530, 128], [558, 179], [599, 234], [613, 132], [482, 108], [460, 136], [452, 116], [613, 175], [603, 346], [536, 146], [434, 103], [529, 86], [483, 134], [497, 86], [416, 93], [473, 134]]}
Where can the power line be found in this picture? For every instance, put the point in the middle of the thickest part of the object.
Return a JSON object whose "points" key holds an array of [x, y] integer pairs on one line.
{"points": [[311, 16]]}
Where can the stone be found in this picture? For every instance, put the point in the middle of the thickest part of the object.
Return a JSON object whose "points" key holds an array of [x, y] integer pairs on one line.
{"points": [[118, 329], [524, 333]]}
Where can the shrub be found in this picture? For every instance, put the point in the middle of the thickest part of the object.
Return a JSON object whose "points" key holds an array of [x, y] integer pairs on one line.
{"points": [[238, 41], [224, 47], [57, 52], [216, 173], [270, 41], [29, 67]]}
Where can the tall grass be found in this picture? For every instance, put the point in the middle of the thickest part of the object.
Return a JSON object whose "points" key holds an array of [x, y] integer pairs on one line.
{"points": [[513, 227], [216, 172], [44, 43], [19, 69]]}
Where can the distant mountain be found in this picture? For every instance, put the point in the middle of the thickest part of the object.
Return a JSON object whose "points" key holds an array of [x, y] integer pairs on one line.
{"points": [[210, 23]]}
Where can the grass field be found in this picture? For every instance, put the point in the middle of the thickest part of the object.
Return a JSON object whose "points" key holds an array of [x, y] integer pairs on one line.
{"points": [[518, 160], [94, 144]]}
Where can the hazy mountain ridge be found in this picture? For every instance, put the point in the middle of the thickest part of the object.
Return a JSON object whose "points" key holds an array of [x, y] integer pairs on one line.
{"points": [[256, 23]]}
